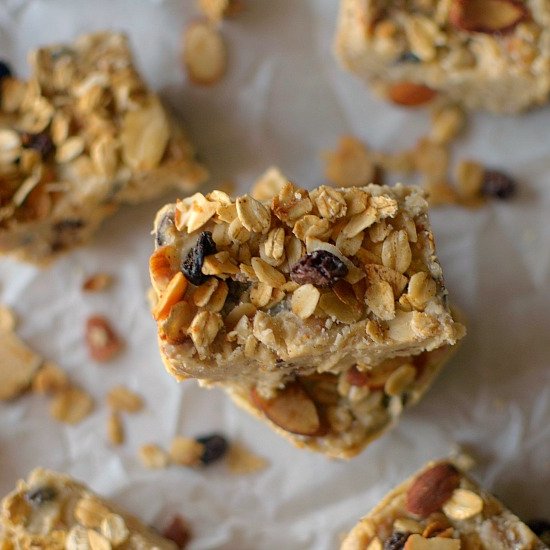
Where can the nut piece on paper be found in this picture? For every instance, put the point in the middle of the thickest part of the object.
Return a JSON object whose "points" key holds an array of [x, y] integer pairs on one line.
{"points": [[204, 53], [440, 508]]}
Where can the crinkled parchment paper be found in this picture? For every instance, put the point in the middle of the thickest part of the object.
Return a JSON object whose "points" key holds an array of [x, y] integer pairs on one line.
{"points": [[283, 101]]}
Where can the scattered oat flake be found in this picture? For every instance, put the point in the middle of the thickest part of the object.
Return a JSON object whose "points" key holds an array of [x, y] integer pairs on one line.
{"points": [[241, 460], [204, 53], [152, 456], [121, 398], [50, 379], [71, 406], [97, 282], [115, 429], [103, 342]]}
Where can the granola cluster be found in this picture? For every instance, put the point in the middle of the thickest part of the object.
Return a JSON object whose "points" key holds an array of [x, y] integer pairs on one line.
{"points": [[82, 135], [440, 508], [493, 54], [304, 281], [53, 511]]}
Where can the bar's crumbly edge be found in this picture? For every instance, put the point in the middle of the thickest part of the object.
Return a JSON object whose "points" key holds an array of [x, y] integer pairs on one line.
{"points": [[440, 508], [83, 135], [248, 319]]}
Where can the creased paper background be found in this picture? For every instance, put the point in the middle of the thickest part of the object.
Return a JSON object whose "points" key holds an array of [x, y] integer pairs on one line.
{"points": [[283, 101]]}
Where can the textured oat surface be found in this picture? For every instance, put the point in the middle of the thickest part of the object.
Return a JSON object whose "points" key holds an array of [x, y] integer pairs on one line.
{"points": [[390, 43], [54, 512], [452, 514], [307, 281], [81, 136]]}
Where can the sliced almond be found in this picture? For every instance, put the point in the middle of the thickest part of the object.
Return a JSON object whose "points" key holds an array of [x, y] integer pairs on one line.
{"points": [[18, 365], [173, 293], [410, 94], [291, 409], [488, 16], [204, 53]]}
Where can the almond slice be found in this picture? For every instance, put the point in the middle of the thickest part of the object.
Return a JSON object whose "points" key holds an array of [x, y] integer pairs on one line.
{"points": [[488, 16], [410, 94], [204, 54], [291, 409]]}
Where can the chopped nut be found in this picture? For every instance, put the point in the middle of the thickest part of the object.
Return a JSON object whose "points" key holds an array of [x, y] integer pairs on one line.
{"points": [[447, 124], [241, 460], [71, 405], [463, 504], [50, 379], [204, 53], [161, 267], [97, 282], [153, 457], [115, 429], [410, 94], [304, 301], [186, 451], [121, 398], [103, 342], [18, 365], [173, 293]]}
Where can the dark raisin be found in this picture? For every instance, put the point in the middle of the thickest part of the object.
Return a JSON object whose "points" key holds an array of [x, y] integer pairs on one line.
{"points": [[396, 541], [408, 57], [541, 528], [68, 225], [320, 268], [5, 70], [192, 265], [498, 185], [41, 142], [178, 531], [165, 228], [215, 447], [41, 495]]}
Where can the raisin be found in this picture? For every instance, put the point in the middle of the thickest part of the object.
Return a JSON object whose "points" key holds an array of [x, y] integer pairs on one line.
{"points": [[5, 70], [192, 265], [178, 531], [541, 528], [68, 225], [41, 142], [396, 541], [320, 268], [215, 447], [41, 495], [498, 185], [408, 57]]}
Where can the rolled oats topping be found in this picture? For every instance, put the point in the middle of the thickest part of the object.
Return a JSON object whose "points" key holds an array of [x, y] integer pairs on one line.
{"points": [[324, 276], [453, 519], [81, 136], [53, 511]]}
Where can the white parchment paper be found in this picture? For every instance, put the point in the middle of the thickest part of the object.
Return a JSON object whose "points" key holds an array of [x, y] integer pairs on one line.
{"points": [[283, 101]]}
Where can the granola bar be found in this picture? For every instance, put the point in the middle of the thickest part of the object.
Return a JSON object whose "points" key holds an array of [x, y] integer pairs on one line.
{"points": [[340, 414], [440, 508], [83, 135], [54, 512], [258, 292], [492, 55]]}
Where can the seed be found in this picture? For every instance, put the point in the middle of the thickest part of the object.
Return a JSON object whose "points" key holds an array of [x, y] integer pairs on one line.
{"points": [[39, 496], [215, 447], [498, 185], [41, 142], [192, 265], [320, 268]]}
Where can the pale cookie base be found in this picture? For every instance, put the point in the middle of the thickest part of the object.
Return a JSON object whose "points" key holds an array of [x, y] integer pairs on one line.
{"points": [[364, 428], [495, 528], [480, 71], [67, 519]]}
